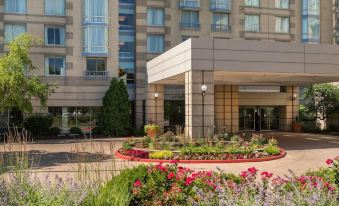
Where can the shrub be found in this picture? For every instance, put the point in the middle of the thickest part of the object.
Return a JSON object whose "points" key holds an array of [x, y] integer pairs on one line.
{"points": [[115, 114], [272, 150], [75, 130], [54, 131], [138, 132], [235, 138], [38, 124], [161, 155], [118, 191], [97, 130], [258, 140]]}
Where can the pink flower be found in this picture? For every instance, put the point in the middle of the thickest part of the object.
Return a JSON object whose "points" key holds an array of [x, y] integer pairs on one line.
{"points": [[252, 170], [174, 161], [137, 184], [266, 175], [189, 181], [329, 162], [170, 175], [209, 173], [244, 174]]}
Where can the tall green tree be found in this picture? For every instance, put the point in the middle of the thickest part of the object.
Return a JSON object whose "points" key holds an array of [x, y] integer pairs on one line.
{"points": [[115, 114], [321, 100], [16, 88]]}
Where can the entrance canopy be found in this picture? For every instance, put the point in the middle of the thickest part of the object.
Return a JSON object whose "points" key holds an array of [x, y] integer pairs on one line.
{"points": [[242, 62]]}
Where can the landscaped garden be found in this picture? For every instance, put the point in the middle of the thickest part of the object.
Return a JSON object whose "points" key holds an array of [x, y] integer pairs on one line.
{"points": [[220, 148]]}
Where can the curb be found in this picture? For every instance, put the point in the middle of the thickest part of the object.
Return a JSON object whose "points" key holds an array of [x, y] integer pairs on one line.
{"points": [[263, 159]]}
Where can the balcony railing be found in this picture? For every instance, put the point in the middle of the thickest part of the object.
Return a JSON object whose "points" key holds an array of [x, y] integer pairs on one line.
{"points": [[189, 4], [220, 28], [218, 6], [189, 25], [99, 75]]}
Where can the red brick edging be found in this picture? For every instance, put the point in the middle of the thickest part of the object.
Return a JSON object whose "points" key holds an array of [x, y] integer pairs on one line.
{"points": [[262, 159]]}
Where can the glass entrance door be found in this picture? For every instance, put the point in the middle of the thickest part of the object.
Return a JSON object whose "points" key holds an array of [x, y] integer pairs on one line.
{"points": [[269, 117], [258, 118], [247, 119]]}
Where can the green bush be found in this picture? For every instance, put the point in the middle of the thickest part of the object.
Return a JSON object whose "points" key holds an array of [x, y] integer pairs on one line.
{"points": [[97, 130], [161, 155], [118, 191], [54, 131], [235, 138], [138, 132], [38, 124], [272, 150], [115, 114], [75, 130]]}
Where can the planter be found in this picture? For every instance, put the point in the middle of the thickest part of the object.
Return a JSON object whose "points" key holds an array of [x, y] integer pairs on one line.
{"points": [[296, 127]]}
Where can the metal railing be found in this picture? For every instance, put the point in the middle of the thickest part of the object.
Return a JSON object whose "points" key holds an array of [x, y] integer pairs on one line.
{"points": [[101, 75], [189, 4], [190, 25], [220, 28], [218, 6]]}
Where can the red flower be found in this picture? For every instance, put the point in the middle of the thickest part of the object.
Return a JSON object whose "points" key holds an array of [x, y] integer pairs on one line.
{"points": [[329, 161], [170, 175], [266, 175], [252, 170], [189, 181], [244, 174], [137, 184]]}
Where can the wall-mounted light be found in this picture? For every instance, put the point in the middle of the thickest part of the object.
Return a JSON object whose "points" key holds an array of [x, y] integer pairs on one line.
{"points": [[156, 95], [204, 89], [294, 97]]}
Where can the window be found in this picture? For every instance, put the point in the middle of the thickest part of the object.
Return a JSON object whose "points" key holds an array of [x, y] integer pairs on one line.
{"points": [[55, 36], [220, 22], [255, 3], [282, 4], [220, 4], [252, 23], [95, 11], [155, 43], [311, 21], [190, 19], [155, 17], [55, 66], [96, 64], [282, 24], [13, 30], [95, 39], [15, 6], [55, 7]]}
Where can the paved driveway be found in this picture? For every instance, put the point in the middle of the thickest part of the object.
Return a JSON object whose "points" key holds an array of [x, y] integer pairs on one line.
{"points": [[304, 151]]}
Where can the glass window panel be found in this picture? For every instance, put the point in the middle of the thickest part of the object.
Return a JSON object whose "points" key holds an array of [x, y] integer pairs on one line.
{"points": [[155, 17], [95, 39], [282, 24], [255, 3], [15, 6], [55, 66], [55, 7], [252, 23], [282, 4], [95, 11], [13, 30], [96, 64], [155, 43]]}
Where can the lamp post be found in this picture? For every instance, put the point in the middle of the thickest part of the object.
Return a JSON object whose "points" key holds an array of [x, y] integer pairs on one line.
{"points": [[156, 96], [204, 89]]}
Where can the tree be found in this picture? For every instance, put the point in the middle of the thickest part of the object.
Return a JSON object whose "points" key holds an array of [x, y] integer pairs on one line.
{"points": [[115, 114], [16, 88], [322, 100]]}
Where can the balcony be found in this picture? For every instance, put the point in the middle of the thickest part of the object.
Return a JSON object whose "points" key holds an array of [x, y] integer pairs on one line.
{"points": [[96, 75], [220, 28], [189, 4], [217, 6], [190, 26]]}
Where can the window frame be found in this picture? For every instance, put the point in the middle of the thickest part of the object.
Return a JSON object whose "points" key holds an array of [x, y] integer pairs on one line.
{"points": [[96, 64], [6, 24], [63, 13], [289, 24], [15, 12], [256, 6], [259, 23], [55, 27], [155, 35], [47, 70], [163, 17]]}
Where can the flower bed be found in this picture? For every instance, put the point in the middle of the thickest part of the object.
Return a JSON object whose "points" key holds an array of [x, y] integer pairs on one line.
{"points": [[169, 148], [174, 185]]}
